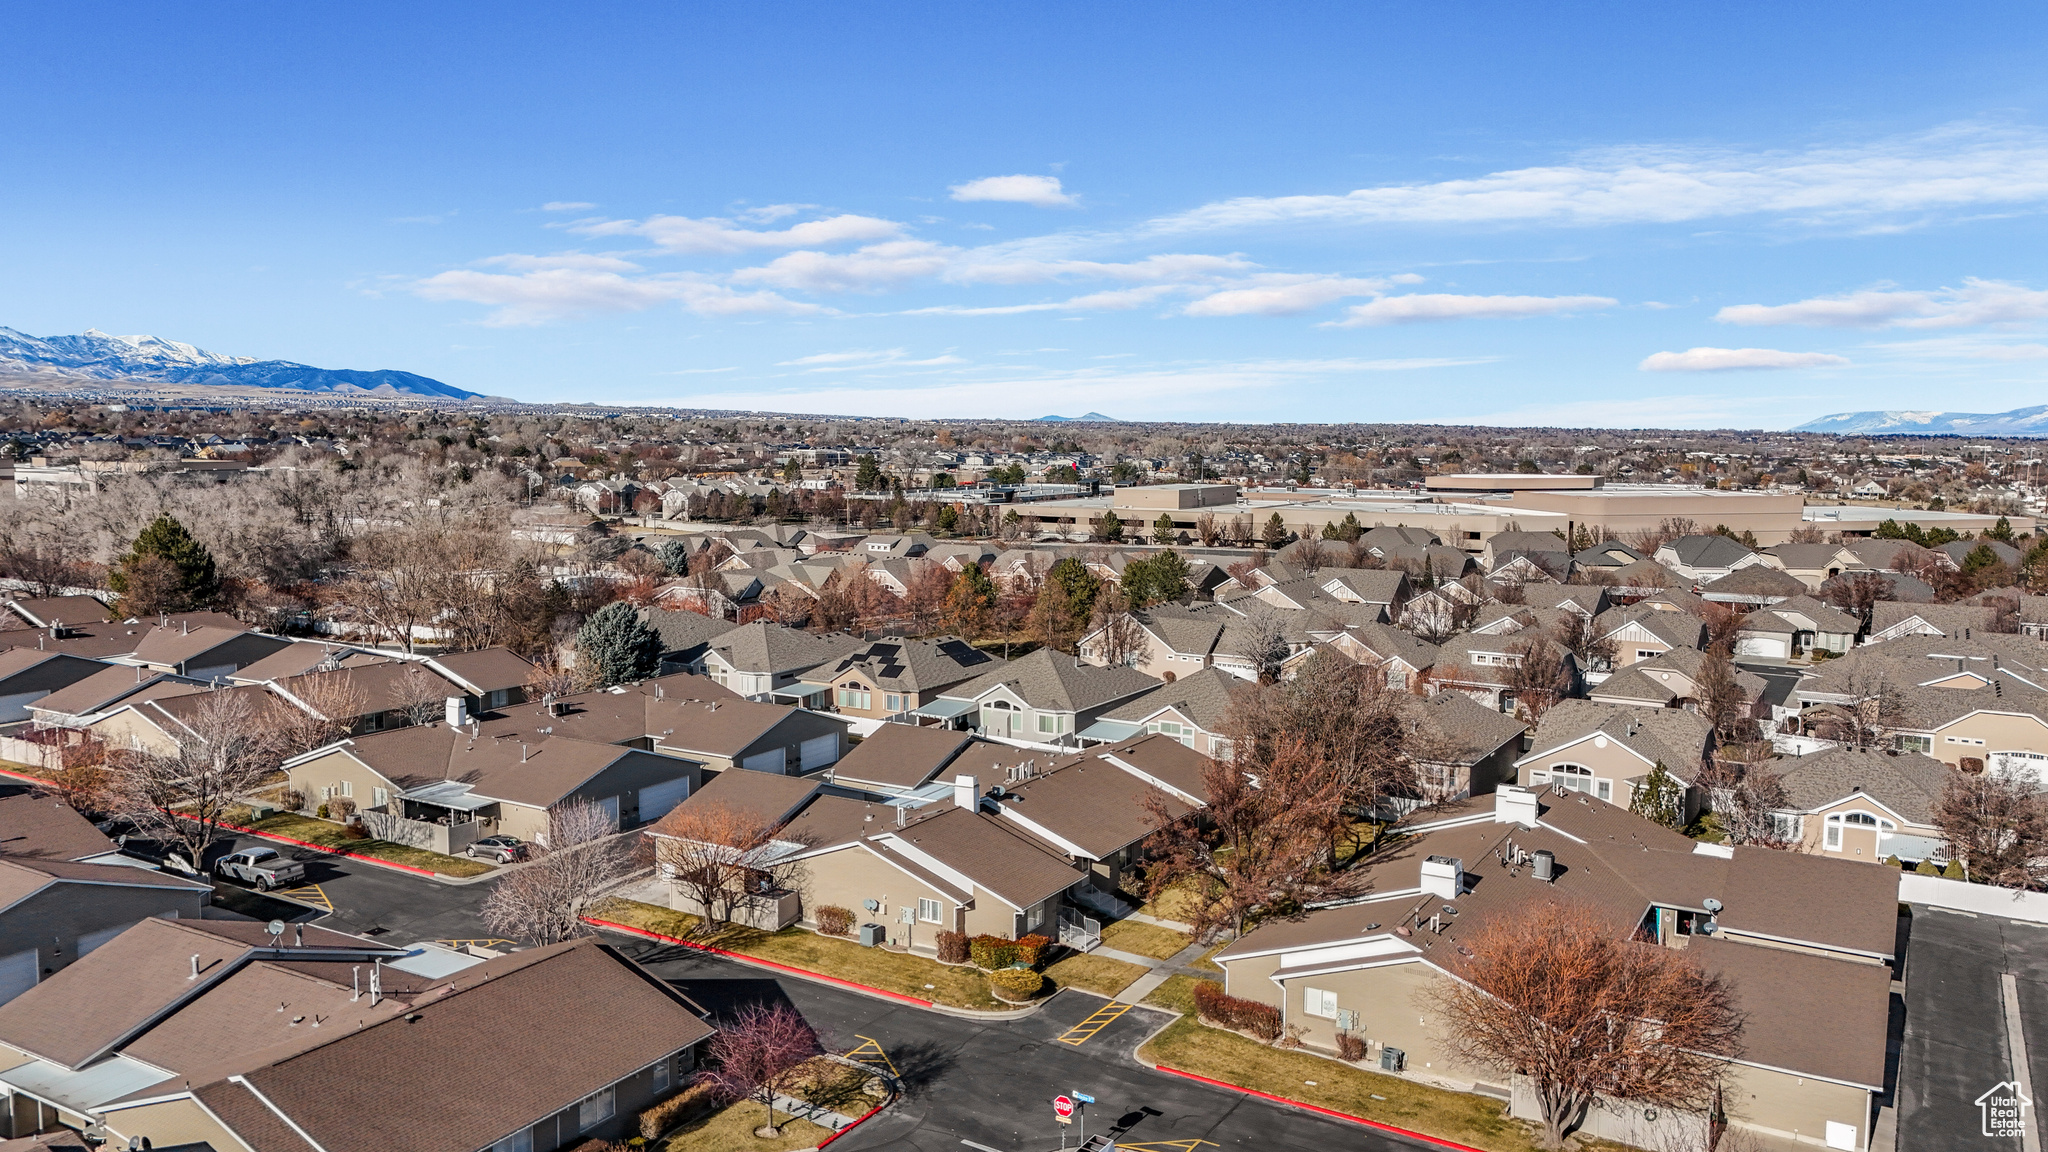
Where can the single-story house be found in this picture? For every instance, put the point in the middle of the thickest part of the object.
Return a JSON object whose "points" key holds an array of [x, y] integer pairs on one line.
{"points": [[1606, 751]]}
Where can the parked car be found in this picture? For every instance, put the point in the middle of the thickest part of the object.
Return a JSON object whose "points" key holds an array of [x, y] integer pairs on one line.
{"points": [[168, 857], [262, 867], [503, 849]]}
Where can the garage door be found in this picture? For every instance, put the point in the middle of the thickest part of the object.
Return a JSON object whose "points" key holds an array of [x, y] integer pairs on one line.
{"points": [[775, 760], [657, 799], [17, 974], [610, 804], [819, 752], [1759, 646]]}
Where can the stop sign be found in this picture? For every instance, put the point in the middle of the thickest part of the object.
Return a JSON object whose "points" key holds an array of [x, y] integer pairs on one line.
{"points": [[1062, 1107]]}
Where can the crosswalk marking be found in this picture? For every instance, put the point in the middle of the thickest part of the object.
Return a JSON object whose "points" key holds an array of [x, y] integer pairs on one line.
{"points": [[492, 942], [1085, 1031], [1166, 1145]]}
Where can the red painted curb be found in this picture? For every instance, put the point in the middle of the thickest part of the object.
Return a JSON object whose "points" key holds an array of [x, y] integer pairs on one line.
{"points": [[322, 848], [741, 956], [1436, 1140], [22, 777], [850, 1127]]}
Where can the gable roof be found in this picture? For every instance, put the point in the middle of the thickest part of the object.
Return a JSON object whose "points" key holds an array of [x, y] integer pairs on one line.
{"points": [[914, 665], [1466, 731], [901, 755], [1907, 783], [1677, 738], [1018, 868], [1755, 582], [36, 827], [777, 649], [484, 670], [1056, 682], [1706, 551], [1202, 696]]}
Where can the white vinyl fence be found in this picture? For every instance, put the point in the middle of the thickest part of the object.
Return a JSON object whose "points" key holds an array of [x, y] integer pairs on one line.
{"points": [[1980, 898]]}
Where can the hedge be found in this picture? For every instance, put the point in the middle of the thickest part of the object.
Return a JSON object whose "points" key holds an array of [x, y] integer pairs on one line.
{"points": [[1216, 1006], [953, 947], [992, 952], [1016, 983], [835, 921], [1031, 949], [676, 1109]]}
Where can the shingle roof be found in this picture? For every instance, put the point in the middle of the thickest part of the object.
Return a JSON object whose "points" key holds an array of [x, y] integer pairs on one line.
{"points": [[915, 665], [1677, 738], [485, 670], [1755, 582], [683, 633], [1202, 696], [1907, 783], [768, 797], [1466, 729], [1707, 551], [901, 755], [1020, 869], [1054, 681], [44, 828], [1089, 802], [768, 647]]}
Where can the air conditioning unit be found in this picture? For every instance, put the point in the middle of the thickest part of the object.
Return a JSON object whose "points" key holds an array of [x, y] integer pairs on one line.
{"points": [[1393, 1059], [872, 935]]}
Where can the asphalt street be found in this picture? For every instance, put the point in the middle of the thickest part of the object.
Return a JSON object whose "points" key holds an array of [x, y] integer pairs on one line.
{"points": [[351, 896], [1954, 1046]]}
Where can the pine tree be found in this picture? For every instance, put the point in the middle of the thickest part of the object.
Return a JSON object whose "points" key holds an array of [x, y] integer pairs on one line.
{"points": [[1275, 533], [1164, 530], [971, 602], [615, 646], [1659, 798], [1110, 527], [165, 570], [674, 556], [867, 476]]}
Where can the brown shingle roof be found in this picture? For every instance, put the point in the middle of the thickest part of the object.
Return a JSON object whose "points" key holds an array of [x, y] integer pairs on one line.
{"points": [[1017, 867], [42, 828], [485, 670], [901, 755]]}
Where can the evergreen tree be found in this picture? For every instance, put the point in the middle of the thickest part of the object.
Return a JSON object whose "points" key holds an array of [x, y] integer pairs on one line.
{"points": [[1350, 529], [1076, 584], [674, 556], [165, 570], [2001, 531], [1165, 578], [1110, 527], [1659, 798], [867, 475], [947, 521], [792, 470], [615, 646], [1275, 533], [971, 602], [1164, 530]]}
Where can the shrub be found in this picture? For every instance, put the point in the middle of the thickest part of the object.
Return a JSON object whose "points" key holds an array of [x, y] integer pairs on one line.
{"points": [[1016, 983], [320, 813], [1954, 871], [1926, 868], [1350, 1047], [292, 800], [992, 952], [1031, 950], [1216, 1006], [682, 1106], [341, 808], [834, 921], [953, 947]]}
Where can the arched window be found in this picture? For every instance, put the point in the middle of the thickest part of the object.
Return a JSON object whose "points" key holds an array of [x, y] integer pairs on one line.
{"points": [[1831, 839], [1579, 778]]}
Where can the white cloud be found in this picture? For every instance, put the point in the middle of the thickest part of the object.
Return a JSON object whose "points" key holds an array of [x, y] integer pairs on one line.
{"points": [[1117, 299], [711, 235], [567, 206], [536, 297], [1952, 167], [999, 265], [770, 213], [1279, 294], [857, 355], [1429, 306], [1735, 359], [1042, 191], [1976, 302], [576, 260], [1971, 347], [866, 359], [870, 269]]}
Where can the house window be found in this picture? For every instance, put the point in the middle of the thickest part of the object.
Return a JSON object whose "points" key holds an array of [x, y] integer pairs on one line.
{"points": [[1048, 723], [1788, 828], [379, 797], [595, 1109], [928, 910], [1319, 1002], [661, 1076], [855, 696], [1647, 653], [895, 702], [1920, 744], [520, 1141], [346, 788], [497, 699]]}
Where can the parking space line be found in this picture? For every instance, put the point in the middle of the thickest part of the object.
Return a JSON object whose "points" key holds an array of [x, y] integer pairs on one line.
{"points": [[492, 942], [1164, 1145], [869, 1052], [309, 894], [1085, 1031]]}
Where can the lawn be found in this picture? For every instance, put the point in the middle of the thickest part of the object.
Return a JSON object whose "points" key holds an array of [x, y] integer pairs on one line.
{"points": [[1144, 939], [1176, 903], [731, 1129], [1099, 974], [1480, 1121], [908, 974], [1208, 959], [1177, 994], [329, 835], [831, 1084]]}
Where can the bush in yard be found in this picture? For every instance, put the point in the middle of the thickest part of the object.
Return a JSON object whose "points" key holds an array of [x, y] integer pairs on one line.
{"points": [[1031, 949], [677, 1109], [1350, 1047], [320, 813], [833, 921], [992, 952], [292, 800], [1216, 1006], [952, 947], [1016, 983], [341, 808]]}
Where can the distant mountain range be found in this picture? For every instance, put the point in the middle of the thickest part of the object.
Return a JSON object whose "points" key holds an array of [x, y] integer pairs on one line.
{"points": [[1092, 416], [2018, 422], [94, 355]]}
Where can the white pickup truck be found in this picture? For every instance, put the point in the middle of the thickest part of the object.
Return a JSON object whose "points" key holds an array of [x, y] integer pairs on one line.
{"points": [[262, 867]]}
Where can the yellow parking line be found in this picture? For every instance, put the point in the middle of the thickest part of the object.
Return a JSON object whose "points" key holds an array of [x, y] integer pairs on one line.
{"points": [[1163, 1145], [309, 894], [871, 1051], [487, 943], [1085, 1031]]}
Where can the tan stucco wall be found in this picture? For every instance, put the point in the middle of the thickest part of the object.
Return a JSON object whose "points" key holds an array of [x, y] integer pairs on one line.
{"points": [[330, 770], [1778, 1103], [126, 730], [850, 876], [170, 1124], [1859, 842], [1998, 733], [1613, 762]]}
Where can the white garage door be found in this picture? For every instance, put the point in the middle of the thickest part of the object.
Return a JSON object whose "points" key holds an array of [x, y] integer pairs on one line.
{"points": [[657, 799], [1760, 646], [818, 752], [610, 804], [17, 974], [774, 760]]}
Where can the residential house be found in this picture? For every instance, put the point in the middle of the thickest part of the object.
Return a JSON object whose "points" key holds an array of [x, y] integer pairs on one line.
{"points": [[1173, 639], [1607, 750], [1805, 943], [1706, 558], [490, 678], [1897, 555], [1460, 747], [205, 653], [1813, 564], [1044, 699], [1609, 557], [1862, 805], [1191, 709], [58, 611], [896, 759], [1794, 628], [88, 701], [684, 635], [1670, 681], [891, 677], [1588, 600], [755, 660], [1402, 657], [1441, 610], [1483, 666], [1637, 633], [1753, 586], [217, 1034], [162, 721], [1528, 557], [28, 676], [1959, 550], [1972, 703], [1891, 620]]}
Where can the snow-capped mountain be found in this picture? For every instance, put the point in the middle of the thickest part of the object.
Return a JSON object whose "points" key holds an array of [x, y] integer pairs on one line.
{"points": [[1092, 416], [95, 355], [2018, 422]]}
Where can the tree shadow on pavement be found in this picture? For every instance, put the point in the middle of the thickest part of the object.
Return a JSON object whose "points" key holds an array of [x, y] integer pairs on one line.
{"points": [[920, 1064]]}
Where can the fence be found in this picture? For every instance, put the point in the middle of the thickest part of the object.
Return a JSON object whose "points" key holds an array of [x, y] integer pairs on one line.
{"points": [[1942, 892], [50, 748]]}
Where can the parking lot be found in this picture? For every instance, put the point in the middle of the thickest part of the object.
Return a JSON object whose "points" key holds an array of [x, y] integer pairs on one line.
{"points": [[1954, 1046]]}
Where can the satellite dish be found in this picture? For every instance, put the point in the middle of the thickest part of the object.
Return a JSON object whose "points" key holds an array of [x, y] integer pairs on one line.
{"points": [[1711, 904], [275, 928]]}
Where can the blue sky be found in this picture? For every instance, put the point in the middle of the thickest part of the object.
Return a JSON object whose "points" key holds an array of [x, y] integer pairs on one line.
{"points": [[1594, 214]]}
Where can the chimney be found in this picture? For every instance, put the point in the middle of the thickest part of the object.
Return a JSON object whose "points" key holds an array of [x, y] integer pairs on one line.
{"points": [[966, 792], [1513, 805], [902, 816], [376, 981], [457, 709], [1443, 877], [195, 967]]}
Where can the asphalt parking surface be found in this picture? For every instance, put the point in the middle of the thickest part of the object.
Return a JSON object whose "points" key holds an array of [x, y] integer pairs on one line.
{"points": [[1954, 1047], [368, 900], [990, 1085]]}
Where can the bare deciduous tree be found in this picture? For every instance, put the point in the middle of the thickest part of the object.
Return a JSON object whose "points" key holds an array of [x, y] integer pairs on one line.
{"points": [[545, 900], [719, 856], [1117, 639], [328, 704], [1558, 995], [421, 696], [1996, 823], [179, 796], [756, 1053]]}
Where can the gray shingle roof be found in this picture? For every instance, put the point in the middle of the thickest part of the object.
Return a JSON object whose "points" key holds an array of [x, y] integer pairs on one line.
{"points": [[1907, 783], [915, 665], [1677, 738], [1056, 682]]}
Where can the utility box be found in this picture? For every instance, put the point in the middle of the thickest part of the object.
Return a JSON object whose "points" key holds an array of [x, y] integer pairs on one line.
{"points": [[872, 935], [1393, 1059]]}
